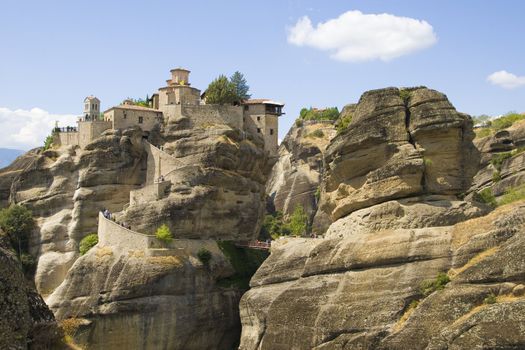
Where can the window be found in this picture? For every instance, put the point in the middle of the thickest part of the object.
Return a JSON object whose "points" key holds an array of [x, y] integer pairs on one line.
{"points": [[258, 118], [259, 130], [246, 107], [271, 131], [141, 120]]}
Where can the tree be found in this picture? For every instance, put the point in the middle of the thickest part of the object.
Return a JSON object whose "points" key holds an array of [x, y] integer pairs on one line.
{"points": [[48, 142], [298, 222], [241, 86], [17, 222], [221, 91], [163, 233]]}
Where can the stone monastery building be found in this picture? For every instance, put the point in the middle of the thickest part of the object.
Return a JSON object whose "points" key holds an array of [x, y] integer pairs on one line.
{"points": [[175, 100]]}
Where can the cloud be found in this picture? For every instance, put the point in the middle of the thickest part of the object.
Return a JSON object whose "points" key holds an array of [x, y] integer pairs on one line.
{"points": [[506, 80], [355, 37], [26, 129]]}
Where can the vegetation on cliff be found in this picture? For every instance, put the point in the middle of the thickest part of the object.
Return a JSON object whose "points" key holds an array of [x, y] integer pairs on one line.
{"points": [[492, 126], [228, 91], [87, 243], [245, 262], [331, 113]]}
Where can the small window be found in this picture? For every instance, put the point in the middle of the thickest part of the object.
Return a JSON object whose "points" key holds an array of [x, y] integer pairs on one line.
{"points": [[259, 130], [141, 120], [271, 131]]}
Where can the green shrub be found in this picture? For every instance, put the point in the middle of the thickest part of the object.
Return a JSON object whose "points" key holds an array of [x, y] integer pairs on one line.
{"points": [[298, 222], [430, 286], [483, 132], [405, 95], [427, 161], [343, 123], [490, 299], [87, 243], [299, 123], [486, 196], [513, 195], [163, 233], [204, 256], [331, 113], [317, 193], [17, 222], [496, 176], [273, 226], [316, 134]]}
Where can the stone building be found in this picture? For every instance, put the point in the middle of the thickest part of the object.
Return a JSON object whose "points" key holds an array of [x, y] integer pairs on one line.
{"points": [[178, 99], [91, 108], [128, 114], [261, 116]]}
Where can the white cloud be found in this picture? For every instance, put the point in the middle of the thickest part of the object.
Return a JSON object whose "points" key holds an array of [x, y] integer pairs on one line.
{"points": [[26, 129], [354, 36], [506, 80]]}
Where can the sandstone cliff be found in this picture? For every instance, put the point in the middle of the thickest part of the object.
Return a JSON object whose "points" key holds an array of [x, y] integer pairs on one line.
{"points": [[406, 264], [296, 176]]}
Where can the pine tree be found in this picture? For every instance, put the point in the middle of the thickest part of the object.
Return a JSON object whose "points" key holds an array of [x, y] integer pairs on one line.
{"points": [[241, 86]]}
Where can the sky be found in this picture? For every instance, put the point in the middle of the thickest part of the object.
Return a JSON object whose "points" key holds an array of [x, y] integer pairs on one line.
{"points": [[303, 53]]}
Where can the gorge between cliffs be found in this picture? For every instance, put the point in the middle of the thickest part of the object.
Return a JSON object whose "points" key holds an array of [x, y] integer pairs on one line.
{"points": [[413, 240]]}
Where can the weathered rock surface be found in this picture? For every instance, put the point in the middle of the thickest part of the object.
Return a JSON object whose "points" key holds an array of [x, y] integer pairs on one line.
{"points": [[219, 193], [296, 176], [25, 320], [502, 165], [9, 174], [398, 147], [391, 185], [352, 292], [66, 188], [127, 299]]}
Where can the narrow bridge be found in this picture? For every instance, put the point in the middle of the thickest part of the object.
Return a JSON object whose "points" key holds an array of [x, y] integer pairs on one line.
{"points": [[253, 245]]}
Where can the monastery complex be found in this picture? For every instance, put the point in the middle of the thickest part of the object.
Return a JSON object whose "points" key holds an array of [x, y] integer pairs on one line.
{"points": [[177, 99]]}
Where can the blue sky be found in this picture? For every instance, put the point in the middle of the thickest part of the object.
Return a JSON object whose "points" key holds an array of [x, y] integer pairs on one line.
{"points": [[55, 53]]}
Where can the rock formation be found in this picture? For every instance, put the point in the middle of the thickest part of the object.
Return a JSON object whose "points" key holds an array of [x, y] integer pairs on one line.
{"points": [[377, 279], [296, 176], [25, 320]]}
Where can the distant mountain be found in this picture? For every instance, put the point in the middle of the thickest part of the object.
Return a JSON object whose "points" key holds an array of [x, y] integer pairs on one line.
{"points": [[7, 155]]}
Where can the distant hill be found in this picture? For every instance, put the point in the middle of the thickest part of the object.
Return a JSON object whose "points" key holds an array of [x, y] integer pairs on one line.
{"points": [[7, 155]]}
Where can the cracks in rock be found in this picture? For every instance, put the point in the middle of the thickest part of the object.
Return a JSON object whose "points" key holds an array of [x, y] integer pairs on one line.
{"points": [[405, 96]]}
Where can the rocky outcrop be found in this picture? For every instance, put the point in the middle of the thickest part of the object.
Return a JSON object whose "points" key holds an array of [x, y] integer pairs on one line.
{"points": [[120, 298], [11, 172], [400, 143], [25, 320], [296, 176], [405, 264], [502, 165], [65, 189], [217, 192]]}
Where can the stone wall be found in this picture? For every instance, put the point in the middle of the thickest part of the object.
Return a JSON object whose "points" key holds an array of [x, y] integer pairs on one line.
{"points": [[114, 235], [126, 118], [159, 163], [90, 130], [202, 116], [149, 193], [67, 138]]}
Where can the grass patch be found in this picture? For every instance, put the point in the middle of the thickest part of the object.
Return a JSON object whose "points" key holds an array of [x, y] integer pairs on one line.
{"points": [[490, 299], [343, 123], [430, 286], [163, 234], [486, 196], [408, 312], [245, 262], [473, 261], [405, 95], [501, 123], [498, 159], [512, 195]]}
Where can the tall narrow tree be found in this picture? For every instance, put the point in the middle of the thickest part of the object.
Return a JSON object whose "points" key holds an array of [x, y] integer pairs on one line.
{"points": [[241, 86]]}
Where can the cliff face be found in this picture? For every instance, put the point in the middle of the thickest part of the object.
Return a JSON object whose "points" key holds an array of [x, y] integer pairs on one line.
{"points": [[139, 296], [296, 176], [25, 320], [373, 282]]}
